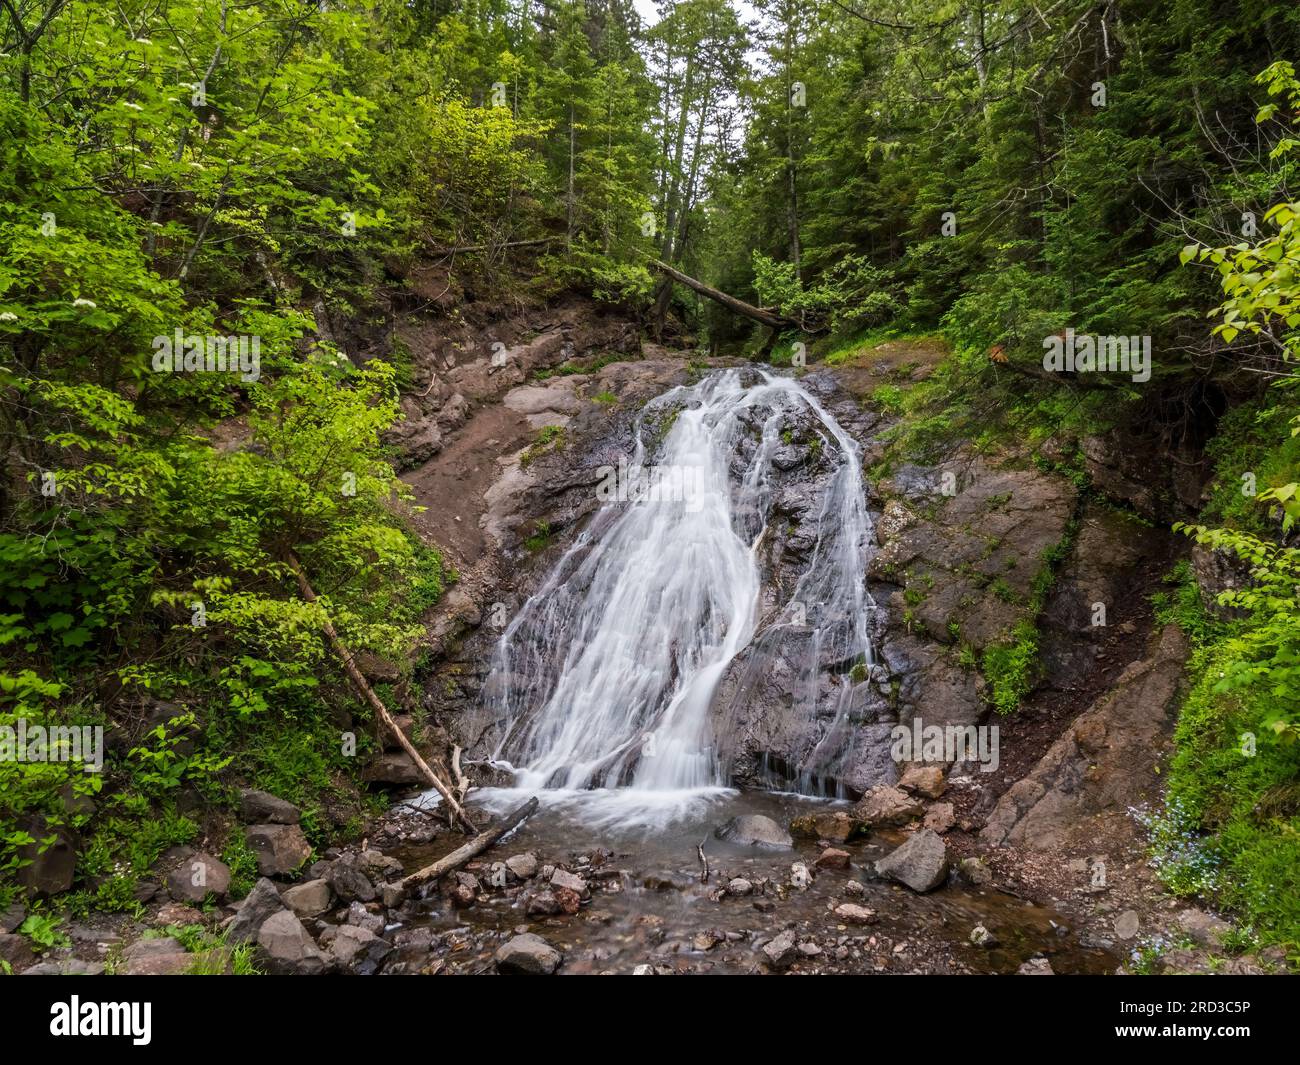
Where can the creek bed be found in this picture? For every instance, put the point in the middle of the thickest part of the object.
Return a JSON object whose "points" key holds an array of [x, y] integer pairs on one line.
{"points": [[648, 906]]}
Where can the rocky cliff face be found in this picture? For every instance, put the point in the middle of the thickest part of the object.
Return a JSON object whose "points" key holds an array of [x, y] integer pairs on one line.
{"points": [[966, 551]]}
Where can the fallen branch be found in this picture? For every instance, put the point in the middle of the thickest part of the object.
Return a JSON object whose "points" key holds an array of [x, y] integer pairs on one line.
{"points": [[704, 861], [759, 314], [473, 848], [456, 812]]}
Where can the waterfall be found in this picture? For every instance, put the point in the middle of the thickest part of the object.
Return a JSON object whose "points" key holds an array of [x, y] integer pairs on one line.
{"points": [[605, 677]]}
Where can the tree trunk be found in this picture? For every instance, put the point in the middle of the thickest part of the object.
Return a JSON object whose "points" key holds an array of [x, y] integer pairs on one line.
{"points": [[455, 812], [759, 314], [474, 847]]}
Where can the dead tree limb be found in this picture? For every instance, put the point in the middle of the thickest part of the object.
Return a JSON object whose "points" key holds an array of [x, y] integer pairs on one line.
{"points": [[474, 847], [456, 812], [763, 315]]}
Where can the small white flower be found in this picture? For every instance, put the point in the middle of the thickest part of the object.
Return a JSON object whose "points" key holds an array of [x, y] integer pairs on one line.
{"points": [[133, 107], [8, 316], [84, 303]]}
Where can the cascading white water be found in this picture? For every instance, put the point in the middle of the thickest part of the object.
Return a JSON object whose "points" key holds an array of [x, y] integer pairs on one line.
{"points": [[606, 675]]}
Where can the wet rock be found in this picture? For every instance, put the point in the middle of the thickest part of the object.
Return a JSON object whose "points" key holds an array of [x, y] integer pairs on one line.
{"points": [[781, 952], [197, 878], [837, 826], [975, 871], [739, 886], [392, 895], [288, 947], [310, 899], [982, 937], [1036, 967], [831, 858], [564, 879], [920, 864], [378, 865], [810, 949], [359, 917], [261, 807], [523, 866], [528, 955], [855, 888], [800, 877], [261, 903], [885, 806], [542, 904], [569, 901], [850, 913], [755, 830], [349, 882], [280, 849], [360, 949], [927, 780], [940, 817]]}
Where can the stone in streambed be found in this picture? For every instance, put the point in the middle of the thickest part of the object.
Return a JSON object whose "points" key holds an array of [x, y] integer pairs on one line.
{"points": [[836, 826], [755, 830], [528, 955], [920, 864]]}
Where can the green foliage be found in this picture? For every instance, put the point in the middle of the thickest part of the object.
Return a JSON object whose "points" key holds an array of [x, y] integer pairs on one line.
{"points": [[1011, 667]]}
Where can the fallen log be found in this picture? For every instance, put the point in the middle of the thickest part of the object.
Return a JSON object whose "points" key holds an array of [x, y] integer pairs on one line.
{"points": [[457, 813], [474, 847], [763, 315]]}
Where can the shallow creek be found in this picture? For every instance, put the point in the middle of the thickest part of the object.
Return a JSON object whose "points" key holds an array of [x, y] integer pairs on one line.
{"points": [[648, 906]]}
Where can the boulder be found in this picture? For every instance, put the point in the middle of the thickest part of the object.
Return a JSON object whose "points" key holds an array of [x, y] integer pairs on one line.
{"points": [[280, 849], [885, 806], [755, 830], [920, 864], [360, 949], [262, 903], [834, 825], [288, 948], [927, 780], [198, 877], [851, 913], [940, 817], [529, 955], [261, 807], [739, 886], [157, 956], [310, 899], [349, 882], [50, 868]]}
